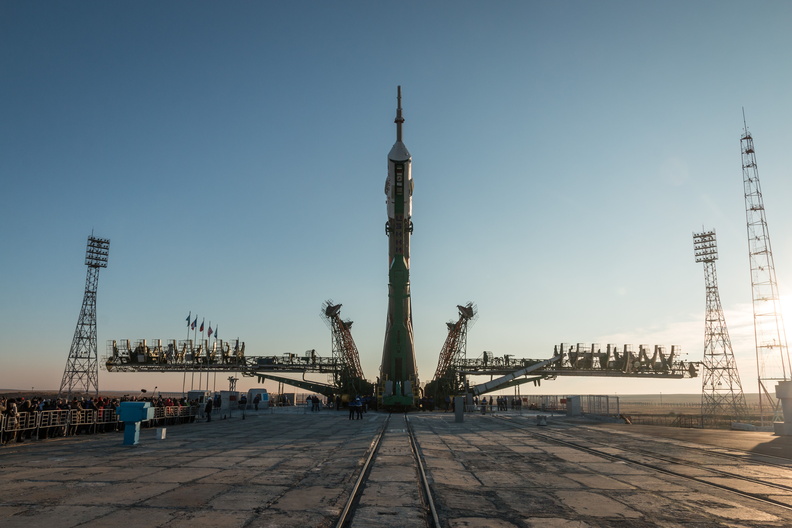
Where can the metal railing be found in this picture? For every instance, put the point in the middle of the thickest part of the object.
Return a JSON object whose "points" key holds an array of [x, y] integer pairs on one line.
{"points": [[58, 423]]}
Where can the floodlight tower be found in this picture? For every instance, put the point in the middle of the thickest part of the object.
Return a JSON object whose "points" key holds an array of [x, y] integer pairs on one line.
{"points": [[721, 390], [772, 354], [81, 374]]}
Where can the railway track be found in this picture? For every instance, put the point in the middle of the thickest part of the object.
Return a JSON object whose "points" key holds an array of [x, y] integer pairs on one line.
{"points": [[691, 463], [729, 455], [385, 491]]}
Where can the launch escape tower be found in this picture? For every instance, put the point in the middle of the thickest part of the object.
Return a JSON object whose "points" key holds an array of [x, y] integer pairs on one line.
{"points": [[398, 383], [722, 395], [81, 374], [772, 354]]}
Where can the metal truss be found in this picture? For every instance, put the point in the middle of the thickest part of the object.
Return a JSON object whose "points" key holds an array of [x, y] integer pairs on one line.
{"points": [[127, 355], [344, 349], [772, 354], [722, 394], [591, 360], [454, 349], [81, 375]]}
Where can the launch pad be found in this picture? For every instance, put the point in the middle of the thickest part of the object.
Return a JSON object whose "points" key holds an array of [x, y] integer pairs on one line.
{"points": [[397, 386]]}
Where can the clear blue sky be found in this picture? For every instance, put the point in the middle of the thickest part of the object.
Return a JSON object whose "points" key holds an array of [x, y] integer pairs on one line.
{"points": [[235, 155]]}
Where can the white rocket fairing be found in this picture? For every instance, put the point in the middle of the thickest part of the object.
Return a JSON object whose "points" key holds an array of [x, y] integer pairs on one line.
{"points": [[398, 190], [395, 184]]}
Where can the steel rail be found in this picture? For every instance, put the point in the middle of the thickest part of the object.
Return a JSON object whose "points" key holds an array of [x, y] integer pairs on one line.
{"points": [[354, 495], [730, 453], [427, 491], [670, 459], [661, 469]]}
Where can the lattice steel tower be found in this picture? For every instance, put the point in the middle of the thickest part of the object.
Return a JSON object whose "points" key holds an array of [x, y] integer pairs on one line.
{"points": [[81, 374], [345, 351], [721, 391], [772, 354], [454, 349]]}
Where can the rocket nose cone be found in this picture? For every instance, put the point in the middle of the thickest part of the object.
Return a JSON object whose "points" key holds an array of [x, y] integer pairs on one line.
{"points": [[399, 152]]}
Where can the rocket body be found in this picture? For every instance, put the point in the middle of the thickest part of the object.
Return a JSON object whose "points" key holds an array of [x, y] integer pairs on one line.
{"points": [[398, 373]]}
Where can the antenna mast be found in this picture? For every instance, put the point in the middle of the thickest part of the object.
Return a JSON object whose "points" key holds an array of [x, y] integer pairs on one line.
{"points": [[772, 354], [721, 391]]}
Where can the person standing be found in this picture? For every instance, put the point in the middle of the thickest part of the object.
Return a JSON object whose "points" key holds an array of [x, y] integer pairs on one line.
{"points": [[208, 409]]}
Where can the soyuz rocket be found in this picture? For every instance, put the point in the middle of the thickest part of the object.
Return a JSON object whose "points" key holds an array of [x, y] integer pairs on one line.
{"points": [[398, 373]]}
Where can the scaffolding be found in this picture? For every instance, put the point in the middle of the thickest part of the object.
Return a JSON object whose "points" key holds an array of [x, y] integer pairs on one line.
{"points": [[81, 375], [349, 377], [772, 354], [721, 391], [455, 347], [448, 381]]}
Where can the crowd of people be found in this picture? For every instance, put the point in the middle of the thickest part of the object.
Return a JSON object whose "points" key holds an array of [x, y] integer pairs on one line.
{"points": [[502, 403], [26, 417], [20, 420]]}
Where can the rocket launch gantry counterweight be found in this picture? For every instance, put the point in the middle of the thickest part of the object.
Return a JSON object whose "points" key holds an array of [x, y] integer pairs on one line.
{"points": [[398, 383]]}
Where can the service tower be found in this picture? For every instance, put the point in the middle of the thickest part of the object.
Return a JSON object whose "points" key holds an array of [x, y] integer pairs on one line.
{"points": [[398, 383]]}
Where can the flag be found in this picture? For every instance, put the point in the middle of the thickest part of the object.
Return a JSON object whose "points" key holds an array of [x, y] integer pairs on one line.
{"points": [[189, 316], [201, 329], [216, 327], [192, 326], [210, 330]]}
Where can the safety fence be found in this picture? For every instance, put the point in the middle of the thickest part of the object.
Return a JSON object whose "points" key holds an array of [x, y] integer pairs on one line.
{"points": [[51, 424], [592, 405]]}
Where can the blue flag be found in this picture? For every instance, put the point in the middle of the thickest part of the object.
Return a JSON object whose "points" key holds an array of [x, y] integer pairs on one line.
{"points": [[189, 316], [192, 326]]}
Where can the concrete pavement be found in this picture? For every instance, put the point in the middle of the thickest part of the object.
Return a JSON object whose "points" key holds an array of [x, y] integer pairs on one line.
{"points": [[296, 469]]}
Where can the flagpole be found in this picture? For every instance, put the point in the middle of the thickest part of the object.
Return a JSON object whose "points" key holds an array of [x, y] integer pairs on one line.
{"points": [[200, 374], [214, 383], [184, 376], [207, 356], [195, 337]]}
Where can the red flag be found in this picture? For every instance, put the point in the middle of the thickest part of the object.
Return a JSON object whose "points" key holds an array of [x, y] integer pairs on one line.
{"points": [[201, 329]]}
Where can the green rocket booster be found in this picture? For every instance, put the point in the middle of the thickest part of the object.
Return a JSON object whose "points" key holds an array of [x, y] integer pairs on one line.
{"points": [[398, 374]]}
